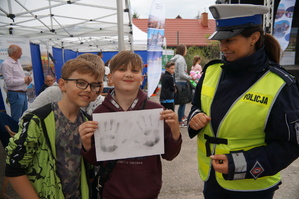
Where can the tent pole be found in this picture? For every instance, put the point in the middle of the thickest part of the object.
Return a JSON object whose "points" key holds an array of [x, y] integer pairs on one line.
{"points": [[9, 7], [128, 7], [120, 25]]}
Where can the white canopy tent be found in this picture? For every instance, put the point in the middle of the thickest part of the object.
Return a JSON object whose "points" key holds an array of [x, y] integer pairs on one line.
{"points": [[79, 25], [139, 38]]}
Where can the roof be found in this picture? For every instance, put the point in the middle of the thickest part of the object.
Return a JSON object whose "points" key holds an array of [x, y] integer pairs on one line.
{"points": [[183, 31], [73, 24]]}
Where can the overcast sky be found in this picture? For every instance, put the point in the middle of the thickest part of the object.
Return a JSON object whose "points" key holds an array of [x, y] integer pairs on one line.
{"points": [[187, 9]]}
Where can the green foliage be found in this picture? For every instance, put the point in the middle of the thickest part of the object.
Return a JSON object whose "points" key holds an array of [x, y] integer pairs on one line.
{"points": [[206, 53], [135, 15]]}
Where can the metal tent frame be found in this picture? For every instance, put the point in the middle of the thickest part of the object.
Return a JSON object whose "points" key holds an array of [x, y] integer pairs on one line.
{"points": [[79, 25]]}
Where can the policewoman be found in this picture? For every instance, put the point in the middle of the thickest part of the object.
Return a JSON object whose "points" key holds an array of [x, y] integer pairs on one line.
{"points": [[245, 111]]}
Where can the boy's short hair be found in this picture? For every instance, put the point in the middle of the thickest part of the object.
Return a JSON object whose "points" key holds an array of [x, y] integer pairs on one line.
{"points": [[169, 64], [124, 58], [94, 59], [81, 66]]}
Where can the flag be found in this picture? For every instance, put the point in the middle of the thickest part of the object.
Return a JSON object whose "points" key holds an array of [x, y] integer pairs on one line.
{"points": [[155, 39], [283, 22]]}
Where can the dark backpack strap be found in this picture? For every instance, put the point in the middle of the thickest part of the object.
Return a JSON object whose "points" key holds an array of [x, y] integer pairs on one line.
{"points": [[143, 104], [41, 113], [86, 115], [101, 178]]}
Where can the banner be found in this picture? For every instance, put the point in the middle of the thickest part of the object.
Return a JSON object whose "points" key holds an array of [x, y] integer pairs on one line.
{"points": [[47, 60], [25, 60], [155, 39], [283, 22]]}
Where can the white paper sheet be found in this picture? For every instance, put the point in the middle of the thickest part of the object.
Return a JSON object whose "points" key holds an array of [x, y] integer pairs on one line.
{"points": [[129, 134]]}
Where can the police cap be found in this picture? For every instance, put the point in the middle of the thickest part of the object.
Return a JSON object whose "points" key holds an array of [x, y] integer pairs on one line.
{"points": [[232, 19]]}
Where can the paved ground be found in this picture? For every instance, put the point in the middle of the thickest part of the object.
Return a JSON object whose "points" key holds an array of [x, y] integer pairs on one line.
{"points": [[180, 177]]}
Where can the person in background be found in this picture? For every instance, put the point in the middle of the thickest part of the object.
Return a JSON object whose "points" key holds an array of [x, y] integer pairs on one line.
{"points": [[100, 54], [128, 177], [107, 84], [44, 158], [107, 63], [168, 87], [181, 78], [245, 110], [16, 81], [196, 64], [107, 71], [49, 81]]}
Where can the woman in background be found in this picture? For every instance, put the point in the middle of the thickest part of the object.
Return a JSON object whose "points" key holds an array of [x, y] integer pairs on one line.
{"points": [[181, 78]]}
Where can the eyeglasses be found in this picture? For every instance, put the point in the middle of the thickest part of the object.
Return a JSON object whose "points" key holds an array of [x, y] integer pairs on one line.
{"points": [[82, 84]]}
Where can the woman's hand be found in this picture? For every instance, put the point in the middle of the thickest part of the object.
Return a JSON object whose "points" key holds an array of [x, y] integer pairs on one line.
{"points": [[220, 163], [86, 131], [199, 121]]}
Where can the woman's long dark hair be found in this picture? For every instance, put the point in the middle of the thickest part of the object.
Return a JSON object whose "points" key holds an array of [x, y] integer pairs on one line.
{"points": [[272, 47], [180, 49]]}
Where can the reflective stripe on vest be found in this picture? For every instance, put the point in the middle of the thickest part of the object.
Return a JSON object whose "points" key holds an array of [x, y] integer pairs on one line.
{"points": [[242, 127]]}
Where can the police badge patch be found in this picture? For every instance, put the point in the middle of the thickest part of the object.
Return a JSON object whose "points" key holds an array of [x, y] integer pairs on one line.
{"points": [[256, 170]]}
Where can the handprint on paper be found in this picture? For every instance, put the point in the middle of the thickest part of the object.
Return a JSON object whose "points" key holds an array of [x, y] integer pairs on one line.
{"points": [[150, 132], [129, 134], [109, 139]]}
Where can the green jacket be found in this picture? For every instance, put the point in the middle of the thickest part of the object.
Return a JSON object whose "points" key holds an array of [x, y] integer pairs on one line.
{"points": [[32, 152]]}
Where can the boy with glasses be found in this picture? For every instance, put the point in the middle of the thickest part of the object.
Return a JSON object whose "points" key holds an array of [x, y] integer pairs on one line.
{"points": [[44, 158], [54, 94]]}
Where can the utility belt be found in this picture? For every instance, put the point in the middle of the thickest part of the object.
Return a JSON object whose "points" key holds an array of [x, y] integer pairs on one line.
{"points": [[212, 140], [19, 91]]}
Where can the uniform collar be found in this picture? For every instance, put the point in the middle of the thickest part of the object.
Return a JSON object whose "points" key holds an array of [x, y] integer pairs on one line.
{"points": [[256, 63]]}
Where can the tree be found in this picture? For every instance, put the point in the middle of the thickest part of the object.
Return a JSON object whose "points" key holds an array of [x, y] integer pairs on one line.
{"points": [[135, 15], [206, 53]]}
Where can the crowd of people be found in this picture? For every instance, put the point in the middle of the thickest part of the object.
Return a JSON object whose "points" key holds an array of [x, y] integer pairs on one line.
{"points": [[54, 132], [244, 114]]}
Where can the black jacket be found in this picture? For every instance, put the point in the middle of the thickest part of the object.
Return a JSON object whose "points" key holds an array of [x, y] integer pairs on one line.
{"points": [[168, 86]]}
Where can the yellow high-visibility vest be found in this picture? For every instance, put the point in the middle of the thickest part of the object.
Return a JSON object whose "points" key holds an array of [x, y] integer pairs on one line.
{"points": [[242, 127]]}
